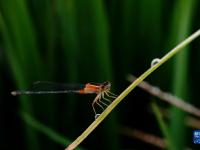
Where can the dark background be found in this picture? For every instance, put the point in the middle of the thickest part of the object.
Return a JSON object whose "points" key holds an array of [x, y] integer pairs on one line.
{"points": [[73, 41]]}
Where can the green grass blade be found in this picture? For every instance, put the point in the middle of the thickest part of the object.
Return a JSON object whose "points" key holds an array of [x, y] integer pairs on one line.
{"points": [[181, 25], [163, 127], [66, 10], [103, 58], [16, 68], [51, 134]]}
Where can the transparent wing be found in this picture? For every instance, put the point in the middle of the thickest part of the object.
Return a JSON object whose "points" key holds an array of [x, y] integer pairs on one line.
{"points": [[51, 86]]}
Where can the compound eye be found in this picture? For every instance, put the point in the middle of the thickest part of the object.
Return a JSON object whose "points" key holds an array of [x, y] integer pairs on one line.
{"points": [[107, 83]]}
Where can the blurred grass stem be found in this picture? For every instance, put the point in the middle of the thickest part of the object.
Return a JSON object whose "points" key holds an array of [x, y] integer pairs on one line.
{"points": [[167, 97]]}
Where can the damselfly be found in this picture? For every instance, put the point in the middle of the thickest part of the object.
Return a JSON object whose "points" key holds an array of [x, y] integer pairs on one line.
{"points": [[44, 87]]}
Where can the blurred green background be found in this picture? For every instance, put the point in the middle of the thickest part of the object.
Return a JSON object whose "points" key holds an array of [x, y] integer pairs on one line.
{"points": [[73, 41]]}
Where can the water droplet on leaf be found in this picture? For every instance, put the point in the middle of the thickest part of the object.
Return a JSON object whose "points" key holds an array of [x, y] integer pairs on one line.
{"points": [[155, 61]]}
